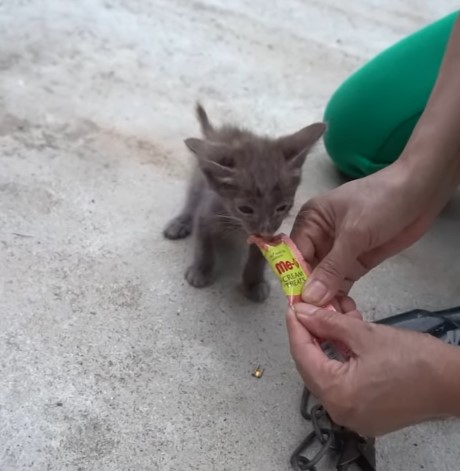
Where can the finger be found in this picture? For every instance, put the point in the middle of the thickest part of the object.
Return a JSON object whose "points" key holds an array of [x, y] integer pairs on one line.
{"points": [[305, 243], [310, 359], [347, 305], [299, 336], [310, 234], [344, 304], [355, 314], [328, 277], [329, 325], [313, 232]]}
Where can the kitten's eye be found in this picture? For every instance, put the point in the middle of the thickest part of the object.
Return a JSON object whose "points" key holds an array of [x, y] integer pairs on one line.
{"points": [[282, 208], [246, 210]]}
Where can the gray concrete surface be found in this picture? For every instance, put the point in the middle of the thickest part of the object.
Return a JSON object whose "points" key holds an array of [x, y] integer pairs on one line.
{"points": [[108, 360]]}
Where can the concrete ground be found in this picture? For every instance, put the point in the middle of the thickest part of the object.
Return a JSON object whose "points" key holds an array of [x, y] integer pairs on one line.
{"points": [[108, 359]]}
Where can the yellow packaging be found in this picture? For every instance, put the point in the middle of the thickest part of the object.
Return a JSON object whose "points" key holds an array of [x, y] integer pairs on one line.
{"points": [[290, 268], [286, 263]]}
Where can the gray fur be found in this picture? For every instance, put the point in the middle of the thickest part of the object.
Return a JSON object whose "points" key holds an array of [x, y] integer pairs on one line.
{"points": [[242, 183]]}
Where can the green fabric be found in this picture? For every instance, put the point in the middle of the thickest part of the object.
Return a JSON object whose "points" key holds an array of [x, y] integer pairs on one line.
{"points": [[371, 116]]}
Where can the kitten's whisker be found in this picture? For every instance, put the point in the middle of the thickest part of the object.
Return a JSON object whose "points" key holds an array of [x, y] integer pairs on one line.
{"points": [[228, 218], [233, 224], [231, 230], [229, 222]]}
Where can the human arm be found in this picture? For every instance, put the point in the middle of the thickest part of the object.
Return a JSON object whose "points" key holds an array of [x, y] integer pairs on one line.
{"points": [[350, 230], [393, 379], [436, 137]]}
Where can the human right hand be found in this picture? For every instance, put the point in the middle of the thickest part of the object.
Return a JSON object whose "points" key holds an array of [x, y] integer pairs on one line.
{"points": [[348, 231]]}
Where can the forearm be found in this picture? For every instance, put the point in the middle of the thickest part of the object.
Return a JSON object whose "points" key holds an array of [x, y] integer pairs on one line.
{"points": [[434, 147]]}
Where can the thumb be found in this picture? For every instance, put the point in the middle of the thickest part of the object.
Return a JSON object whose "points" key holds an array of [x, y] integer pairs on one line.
{"points": [[330, 325], [327, 278]]}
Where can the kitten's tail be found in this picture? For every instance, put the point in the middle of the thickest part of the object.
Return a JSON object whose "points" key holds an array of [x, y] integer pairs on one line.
{"points": [[206, 126]]}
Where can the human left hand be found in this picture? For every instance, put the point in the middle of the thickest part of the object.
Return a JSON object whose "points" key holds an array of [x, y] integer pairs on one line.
{"points": [[392, 379]]}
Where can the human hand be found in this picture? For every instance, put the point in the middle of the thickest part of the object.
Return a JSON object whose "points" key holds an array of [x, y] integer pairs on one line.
{"points": [[346, 232], [394, 377]]}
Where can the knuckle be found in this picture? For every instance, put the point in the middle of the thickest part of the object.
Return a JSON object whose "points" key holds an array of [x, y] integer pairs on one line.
{"points": [[314, 211], [355, 227], [327, 316], [313, 204], [358, 234], [330, 268]]}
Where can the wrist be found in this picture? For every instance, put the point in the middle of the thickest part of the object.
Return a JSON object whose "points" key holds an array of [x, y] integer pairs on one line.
{"points": [[431, 158], [428, 177]]}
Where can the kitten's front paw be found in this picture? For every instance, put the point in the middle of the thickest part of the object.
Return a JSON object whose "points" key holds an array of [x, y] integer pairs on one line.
{"points": [[257, 292], [178, 228], [197, 278]]}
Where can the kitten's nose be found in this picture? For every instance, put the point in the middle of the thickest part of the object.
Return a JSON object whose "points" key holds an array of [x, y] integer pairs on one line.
{"points": [[265, 231]]}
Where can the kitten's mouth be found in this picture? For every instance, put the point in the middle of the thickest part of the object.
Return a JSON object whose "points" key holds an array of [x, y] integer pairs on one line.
{"points": [[265, 235]]}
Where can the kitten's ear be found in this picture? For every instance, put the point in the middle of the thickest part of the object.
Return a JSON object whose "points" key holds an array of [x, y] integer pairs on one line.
{"points": [[197, 146], [215, 161], [295, 147]]}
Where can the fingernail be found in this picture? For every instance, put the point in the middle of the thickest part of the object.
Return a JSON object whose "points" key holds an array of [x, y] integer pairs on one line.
{"points": [[314, 292], [307, 309]]}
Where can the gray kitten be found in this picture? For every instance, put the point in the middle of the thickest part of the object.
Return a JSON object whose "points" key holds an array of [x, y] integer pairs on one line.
{"points": [[243, 183]]}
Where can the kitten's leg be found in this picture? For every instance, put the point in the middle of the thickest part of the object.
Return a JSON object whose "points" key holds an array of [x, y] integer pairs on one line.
{"points": [[254, 284], [181, 226], [200, 273]]}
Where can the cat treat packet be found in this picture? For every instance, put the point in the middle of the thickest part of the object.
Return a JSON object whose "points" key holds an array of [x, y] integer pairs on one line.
{"points": [[289, 266]]}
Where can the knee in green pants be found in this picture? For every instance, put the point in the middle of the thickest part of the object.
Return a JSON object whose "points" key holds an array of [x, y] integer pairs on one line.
{"points": [[371, 116]]}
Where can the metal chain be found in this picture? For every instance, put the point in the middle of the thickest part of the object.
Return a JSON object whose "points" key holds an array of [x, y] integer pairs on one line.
{"points": [[350, 447]]}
